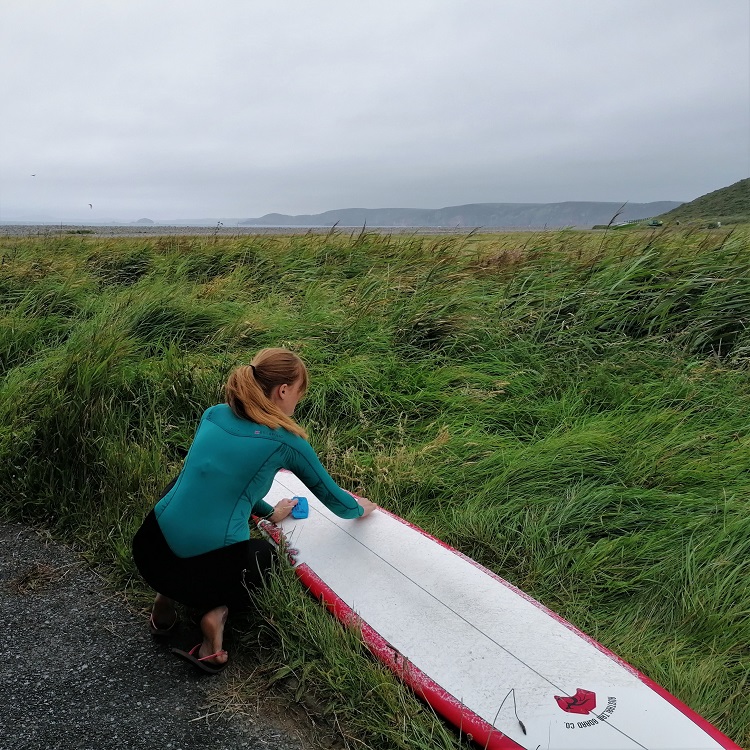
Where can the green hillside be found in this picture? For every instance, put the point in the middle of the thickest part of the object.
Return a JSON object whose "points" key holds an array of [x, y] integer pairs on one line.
{"points": [[729, 205]]}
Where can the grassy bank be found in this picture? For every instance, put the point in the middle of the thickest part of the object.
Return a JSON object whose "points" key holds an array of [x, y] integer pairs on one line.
{"points": [[568, 408]]}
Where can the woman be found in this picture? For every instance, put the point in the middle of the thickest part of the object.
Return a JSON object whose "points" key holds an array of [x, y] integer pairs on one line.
{"points": [[194, 547]]}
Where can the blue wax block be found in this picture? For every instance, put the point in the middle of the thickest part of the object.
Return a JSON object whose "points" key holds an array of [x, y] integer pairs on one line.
{"points": [[300, 510]]}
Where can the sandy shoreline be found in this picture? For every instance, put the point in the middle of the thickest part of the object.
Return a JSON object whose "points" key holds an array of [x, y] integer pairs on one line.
{"points": [[27, 230]]}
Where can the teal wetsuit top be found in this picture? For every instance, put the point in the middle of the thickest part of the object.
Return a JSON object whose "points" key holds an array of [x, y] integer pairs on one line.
{"points": [[229, 469]]}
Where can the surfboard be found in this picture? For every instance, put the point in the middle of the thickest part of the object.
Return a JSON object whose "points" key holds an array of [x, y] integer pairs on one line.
{"points": [[500, 666]]}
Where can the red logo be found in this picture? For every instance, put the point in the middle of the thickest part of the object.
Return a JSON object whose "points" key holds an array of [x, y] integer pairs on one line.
{"points": [[583, 702]]}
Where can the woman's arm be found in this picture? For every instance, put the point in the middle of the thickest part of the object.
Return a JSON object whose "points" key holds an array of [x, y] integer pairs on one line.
{"points": [[368, 505], [307, 466], [282, 510]]}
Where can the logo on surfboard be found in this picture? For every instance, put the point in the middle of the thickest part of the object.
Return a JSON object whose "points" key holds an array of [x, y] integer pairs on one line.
{"points": [[583, 702]]}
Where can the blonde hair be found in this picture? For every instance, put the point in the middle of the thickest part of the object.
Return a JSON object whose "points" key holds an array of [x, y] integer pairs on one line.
{"points": [[249, 387]]}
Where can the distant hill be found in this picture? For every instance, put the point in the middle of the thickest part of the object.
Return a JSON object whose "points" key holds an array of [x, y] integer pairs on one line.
{"points": [[730, 205], [503, 215], [143, 221]]}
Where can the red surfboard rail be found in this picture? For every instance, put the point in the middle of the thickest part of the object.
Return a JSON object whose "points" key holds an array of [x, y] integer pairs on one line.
{"points": [[462, 717], [683, 708], [467, 721]]}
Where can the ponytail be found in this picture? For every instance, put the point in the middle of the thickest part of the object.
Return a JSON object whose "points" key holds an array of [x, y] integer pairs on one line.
{"points": [[248, 388]]}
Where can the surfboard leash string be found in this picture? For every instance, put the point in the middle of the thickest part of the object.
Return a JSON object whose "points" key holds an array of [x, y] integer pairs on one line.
{"points": [[512, 692]]}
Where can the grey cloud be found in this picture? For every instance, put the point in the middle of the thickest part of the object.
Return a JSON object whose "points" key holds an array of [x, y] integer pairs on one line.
{"points": [[181, 109]]}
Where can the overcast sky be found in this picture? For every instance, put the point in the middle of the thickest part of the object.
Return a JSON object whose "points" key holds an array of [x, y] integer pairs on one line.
{"points": [[179, 109]]}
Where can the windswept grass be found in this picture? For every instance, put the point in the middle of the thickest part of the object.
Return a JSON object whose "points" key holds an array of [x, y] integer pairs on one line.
{"points": [[568, 408]]}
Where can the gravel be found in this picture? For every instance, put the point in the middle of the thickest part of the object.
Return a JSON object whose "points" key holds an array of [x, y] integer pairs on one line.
{"points": [[79, 671]]}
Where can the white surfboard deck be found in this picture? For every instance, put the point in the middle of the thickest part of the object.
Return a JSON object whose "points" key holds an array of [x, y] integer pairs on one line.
{"points": [[485, 655]]}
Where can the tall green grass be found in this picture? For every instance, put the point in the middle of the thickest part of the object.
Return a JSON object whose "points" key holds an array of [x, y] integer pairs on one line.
{"points": [[569, 409]]}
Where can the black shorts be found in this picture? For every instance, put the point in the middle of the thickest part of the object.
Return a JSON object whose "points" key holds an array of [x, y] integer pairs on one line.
{"points": [[224, 576]]}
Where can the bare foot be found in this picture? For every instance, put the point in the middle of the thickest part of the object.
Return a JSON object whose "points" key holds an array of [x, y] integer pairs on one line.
{"points": [[212, 625], [163, 614]]}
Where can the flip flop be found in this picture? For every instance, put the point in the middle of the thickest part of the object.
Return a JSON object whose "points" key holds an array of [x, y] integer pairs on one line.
{"points": [[200, 661], [158, 632]]}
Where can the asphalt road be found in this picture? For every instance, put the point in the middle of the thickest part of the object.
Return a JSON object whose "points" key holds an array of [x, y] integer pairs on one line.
{"points": [[79, 671]]}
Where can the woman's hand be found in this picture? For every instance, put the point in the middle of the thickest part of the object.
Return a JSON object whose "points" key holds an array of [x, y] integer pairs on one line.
{"points": [[368, 505], [282, 510]]}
